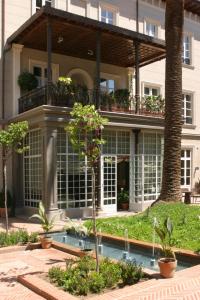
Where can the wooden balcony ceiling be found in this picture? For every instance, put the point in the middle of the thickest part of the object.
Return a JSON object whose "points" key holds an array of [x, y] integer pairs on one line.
{"points": [[79, 38], [192, 6]]}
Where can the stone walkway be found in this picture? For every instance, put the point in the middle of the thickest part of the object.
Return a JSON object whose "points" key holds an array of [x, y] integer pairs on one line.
{"points": [[185, 285], [29, 225], [25, 262]]}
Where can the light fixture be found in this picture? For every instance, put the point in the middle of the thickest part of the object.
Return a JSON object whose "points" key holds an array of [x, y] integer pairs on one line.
{"points": [[90, 52], [60, 39]]}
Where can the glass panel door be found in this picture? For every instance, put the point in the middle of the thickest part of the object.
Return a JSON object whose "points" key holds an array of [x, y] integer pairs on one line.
{"points": [[109, 183]]}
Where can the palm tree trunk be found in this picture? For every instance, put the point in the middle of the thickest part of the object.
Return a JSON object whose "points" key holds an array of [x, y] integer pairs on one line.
{"points": [[174, 19]]}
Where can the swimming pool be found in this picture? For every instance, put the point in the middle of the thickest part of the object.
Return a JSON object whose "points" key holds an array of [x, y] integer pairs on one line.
{"points": [[116, 250]]}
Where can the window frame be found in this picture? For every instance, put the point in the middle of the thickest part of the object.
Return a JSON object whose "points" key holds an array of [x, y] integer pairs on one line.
{"points": [[189, 35], [185, 166], [35, 8], [152, 22], [184, 115], [43, 65], [151, 86], [111, 8]]}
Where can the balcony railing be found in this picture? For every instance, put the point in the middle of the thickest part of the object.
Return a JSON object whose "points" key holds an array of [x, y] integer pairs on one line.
{"points": [[120, 101]]}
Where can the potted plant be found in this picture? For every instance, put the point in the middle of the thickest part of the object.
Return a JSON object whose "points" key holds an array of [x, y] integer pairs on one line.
{"points": [[46, 224], [167, 262], [122, 97], [2, 204], [123, 199], [27, 81]]}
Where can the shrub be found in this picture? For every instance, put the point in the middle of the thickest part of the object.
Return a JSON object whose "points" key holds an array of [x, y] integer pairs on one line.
{"points": [[111, 272], [130, 272], [57, 275], [17, 237], [80, 276], [96, 282], [27, 81]]}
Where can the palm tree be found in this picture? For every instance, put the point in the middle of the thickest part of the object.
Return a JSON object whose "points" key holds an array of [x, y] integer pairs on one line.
{"points": [[174, 19]]}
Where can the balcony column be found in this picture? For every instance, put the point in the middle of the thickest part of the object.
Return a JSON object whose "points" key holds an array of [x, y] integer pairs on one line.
{"points": [[49, 134], [49, 60], [16, 69], [130, 86], [137, 77], [98, 69]]}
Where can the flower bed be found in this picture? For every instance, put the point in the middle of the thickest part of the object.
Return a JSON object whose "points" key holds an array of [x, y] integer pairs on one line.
{"points": [[81, 278]]}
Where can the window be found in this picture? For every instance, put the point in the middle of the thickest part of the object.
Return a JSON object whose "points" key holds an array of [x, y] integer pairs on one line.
{"points": [[37, 4], [186, 168], [41, 74], [107, 16], [107, 85], [151, 91], [186, 56], [151, 29], [187, 108], [33, 178], [74, 180]]}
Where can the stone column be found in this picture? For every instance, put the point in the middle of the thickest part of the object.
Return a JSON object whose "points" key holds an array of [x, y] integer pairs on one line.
{"points": [[49, 170], [16, 70]]}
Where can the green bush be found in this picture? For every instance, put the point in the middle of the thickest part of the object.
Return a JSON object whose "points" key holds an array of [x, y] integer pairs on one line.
{"points": [[81, 278], [57, 275], [111, 272], [27, 81], [96, 282], [16, 237], [131, 273]]}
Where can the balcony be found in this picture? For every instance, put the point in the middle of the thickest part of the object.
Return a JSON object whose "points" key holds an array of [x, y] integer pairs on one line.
{"points": [[119, 101]]}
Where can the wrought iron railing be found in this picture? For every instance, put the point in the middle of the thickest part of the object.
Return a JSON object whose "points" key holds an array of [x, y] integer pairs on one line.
{"points": [[110, 102]]}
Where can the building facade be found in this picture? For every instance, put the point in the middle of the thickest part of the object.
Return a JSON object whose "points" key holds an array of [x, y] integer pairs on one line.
{"points": [[114, 53]]}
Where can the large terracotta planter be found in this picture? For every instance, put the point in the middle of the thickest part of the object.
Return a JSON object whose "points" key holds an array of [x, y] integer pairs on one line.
{"points": [[167, 267], [3, 212], [125, 205], [46, 242]]}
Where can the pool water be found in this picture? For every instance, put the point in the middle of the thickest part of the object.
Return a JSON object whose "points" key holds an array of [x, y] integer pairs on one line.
{"points": [[115, 251]]}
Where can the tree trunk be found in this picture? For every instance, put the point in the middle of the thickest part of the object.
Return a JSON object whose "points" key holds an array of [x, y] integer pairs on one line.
{"points": [[5, 193], [171, 180], [94, 218]]}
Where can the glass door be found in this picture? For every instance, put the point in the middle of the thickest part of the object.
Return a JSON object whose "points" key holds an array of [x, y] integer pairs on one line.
{"points": [[109, 183]]}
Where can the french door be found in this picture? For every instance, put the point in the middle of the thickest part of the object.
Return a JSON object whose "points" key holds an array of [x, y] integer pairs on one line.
{"points": [[109, 183]]}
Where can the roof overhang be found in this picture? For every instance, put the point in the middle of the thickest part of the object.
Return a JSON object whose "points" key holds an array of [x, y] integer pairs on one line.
{"points": [[79, 36], [192, 6]]}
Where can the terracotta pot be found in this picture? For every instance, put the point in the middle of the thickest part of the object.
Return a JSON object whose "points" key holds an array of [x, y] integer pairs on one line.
{"points": [[3, 212], [167, 267], [125, 206], [46, 242]]}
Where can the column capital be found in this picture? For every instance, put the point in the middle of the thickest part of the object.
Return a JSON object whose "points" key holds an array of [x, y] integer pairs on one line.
{"points": [[17, 47], [130, 70]]}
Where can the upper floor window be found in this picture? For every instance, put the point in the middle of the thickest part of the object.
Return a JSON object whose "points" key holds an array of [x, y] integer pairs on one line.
{"points": [[107, 85], [186, 55], [186, 167], [41, 74], [187, 108], [107, 16], [151, 29], [37, 4], [151, 91]]}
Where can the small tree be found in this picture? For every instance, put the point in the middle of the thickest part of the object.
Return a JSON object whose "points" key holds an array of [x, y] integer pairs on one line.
{"points": [[11, 140], [85, 135]]}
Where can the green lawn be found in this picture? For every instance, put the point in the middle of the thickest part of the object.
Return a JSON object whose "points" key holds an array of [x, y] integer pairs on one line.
{"points": [[186, 220]]}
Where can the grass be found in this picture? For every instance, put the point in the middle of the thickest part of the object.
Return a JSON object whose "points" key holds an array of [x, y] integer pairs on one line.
{"points": [[186, 221]]}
